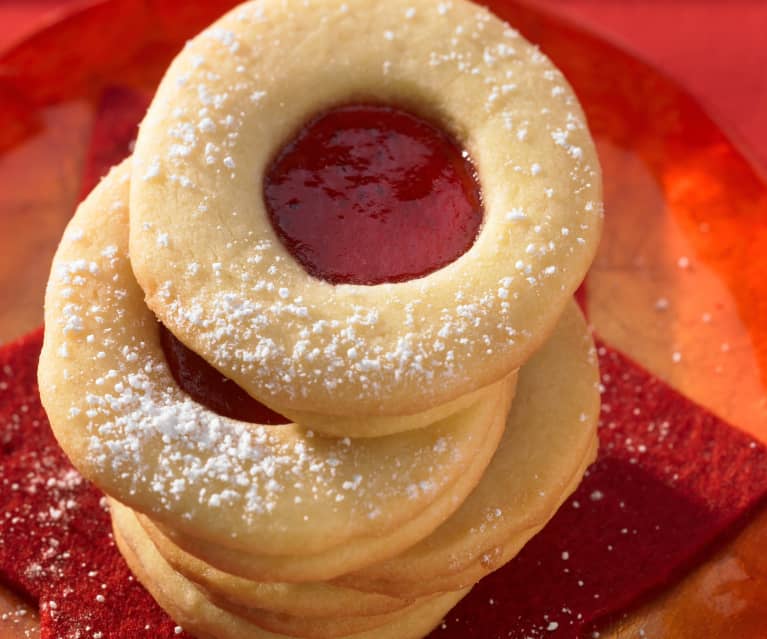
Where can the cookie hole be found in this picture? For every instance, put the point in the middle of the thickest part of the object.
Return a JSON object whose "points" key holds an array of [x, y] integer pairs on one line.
{"points": [[368, 194], [207, 386]]}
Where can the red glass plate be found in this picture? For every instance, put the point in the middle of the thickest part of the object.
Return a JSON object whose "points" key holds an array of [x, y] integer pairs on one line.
{"points": [[680, 282]]}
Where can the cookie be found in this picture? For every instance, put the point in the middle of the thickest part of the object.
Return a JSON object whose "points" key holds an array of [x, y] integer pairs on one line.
{"points": [[340, 558], [200, 616], [214, 271], [549, 441], [308, 599]]}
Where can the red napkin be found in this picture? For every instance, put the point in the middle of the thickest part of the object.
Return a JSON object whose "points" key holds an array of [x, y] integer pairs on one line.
{"points": [[55, 538]]}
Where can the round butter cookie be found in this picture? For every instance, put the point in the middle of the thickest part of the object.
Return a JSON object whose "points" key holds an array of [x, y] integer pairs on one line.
{"points": [[549, 441], [276, 490], [216, 274], [309, 599], [315, 627], [327, 617], [190, 609], [341, 558], [495, 557]]}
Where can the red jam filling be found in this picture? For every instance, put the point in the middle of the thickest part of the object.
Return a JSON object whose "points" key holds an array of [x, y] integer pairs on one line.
{"points": [[205, 385], [364, 194], [368, 194]]}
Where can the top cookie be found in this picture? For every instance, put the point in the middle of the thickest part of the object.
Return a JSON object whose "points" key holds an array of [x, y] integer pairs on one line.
{"points": [[213, 270]]}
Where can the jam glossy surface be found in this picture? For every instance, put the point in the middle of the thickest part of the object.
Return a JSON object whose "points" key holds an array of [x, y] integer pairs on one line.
{"points": [[366, 194]]}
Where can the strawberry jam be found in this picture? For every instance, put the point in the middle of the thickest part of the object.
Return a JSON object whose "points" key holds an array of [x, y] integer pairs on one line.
{"points": [[367, 194], [364, 194]]}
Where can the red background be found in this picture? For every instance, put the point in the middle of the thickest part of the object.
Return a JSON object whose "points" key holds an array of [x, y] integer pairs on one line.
{"points": [[714, 48]]}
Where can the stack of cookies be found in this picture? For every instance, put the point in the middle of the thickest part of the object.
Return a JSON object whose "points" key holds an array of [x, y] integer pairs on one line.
{"points": [[436, 423]]}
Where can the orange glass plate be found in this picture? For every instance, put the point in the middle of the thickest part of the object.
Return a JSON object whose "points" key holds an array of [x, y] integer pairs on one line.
{"points": [[680, 282]]}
